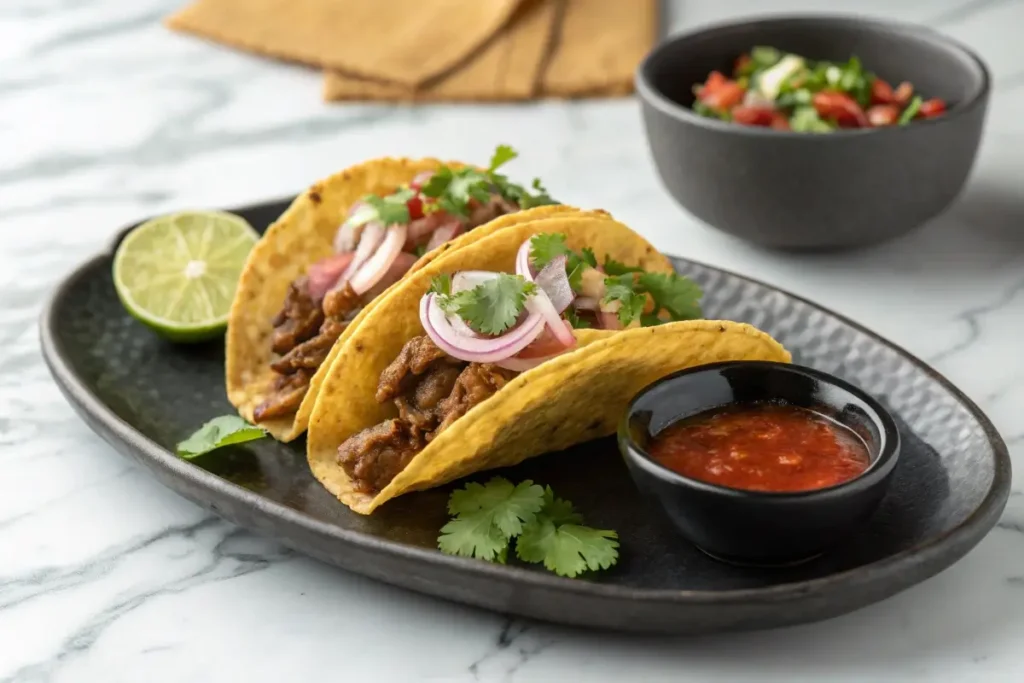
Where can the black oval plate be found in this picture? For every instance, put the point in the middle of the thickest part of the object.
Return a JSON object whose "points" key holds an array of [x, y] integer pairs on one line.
{"points": [[143, 395]]}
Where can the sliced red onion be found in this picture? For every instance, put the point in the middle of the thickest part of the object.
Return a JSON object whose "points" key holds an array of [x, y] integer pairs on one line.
{"points": [[585, 303], [323, 274], [555, 283], [420, 228], [445, 233], [540, 304], [399, 267], [371, 238], [463, 328], [348, 234], [421, 179], [523, 266], [373, 270], [475, 350], [609, 321]]}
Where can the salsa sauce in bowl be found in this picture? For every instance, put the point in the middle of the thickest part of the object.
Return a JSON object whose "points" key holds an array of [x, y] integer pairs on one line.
{"points": [[772, 447]]}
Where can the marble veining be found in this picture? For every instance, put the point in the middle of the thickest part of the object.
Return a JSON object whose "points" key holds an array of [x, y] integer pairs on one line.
{"points": [[106, 576]]}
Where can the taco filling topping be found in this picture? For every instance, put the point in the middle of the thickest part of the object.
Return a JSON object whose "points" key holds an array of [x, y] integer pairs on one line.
{"points": [[379, 241], [484, 328]]}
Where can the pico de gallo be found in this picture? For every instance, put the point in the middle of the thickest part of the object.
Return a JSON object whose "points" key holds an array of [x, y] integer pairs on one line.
{"points": [[775, 89]]}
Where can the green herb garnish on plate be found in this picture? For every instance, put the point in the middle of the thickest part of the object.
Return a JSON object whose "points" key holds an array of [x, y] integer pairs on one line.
{"points": [[225, 430]]}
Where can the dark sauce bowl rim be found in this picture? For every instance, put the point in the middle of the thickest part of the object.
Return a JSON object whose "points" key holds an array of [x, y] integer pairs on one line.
{"points": [[654, 97], [878, 470]]}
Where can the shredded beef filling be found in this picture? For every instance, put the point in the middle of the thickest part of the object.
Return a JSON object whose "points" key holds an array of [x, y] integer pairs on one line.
{"points": [[431, 391], [305, 330]]}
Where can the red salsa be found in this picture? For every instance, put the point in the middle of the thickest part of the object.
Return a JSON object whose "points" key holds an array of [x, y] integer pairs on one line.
{"points": [[762, 447]]}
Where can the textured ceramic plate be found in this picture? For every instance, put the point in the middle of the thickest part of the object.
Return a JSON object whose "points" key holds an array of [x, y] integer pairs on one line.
{"points": [[143, 395]]}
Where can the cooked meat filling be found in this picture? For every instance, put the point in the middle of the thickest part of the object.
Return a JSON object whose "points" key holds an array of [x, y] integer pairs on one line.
{"points": [[305, 330], [431, 390]]}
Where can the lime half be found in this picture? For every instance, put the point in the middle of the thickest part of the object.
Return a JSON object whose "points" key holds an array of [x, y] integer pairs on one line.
{"points": [[178, 273]]}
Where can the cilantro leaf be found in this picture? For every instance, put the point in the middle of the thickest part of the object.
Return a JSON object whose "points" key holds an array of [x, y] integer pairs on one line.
{"points": [[613, 267], [678, 295], [220, 431], [502, 155], [438, 183], [441, 284], [587, 254], [393, 208], [507, 506], [623, 289], [492, 306], [557, 539], [474, 535], [575, 320], [546, 247], [911, 111]]}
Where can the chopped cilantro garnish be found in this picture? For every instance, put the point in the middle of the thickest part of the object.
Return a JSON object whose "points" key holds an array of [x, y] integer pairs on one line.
{"points": [[613, 267], [393, 208], [547, 530], [419, 250], [225, 430], [491, 307], [441, 284], [807, 120], [672, 293], [623, 289], [575, 320], [587, 254], [502, 155], [547, 246]]}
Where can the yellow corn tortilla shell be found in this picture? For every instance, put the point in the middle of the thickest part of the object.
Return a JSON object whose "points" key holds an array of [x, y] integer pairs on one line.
{"points": [[346, 401], [302, 235], [408, 42]]}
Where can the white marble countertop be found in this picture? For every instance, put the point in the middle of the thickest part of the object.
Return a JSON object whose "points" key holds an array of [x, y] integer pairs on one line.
{"points": [[106, 576]]}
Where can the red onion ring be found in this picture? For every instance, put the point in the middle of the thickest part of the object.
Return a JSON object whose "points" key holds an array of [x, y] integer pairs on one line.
{"points": [[468, 279], [445, 233], [377, 265], [523, 261], [585, 303], [539, 304], [475, 350], [371, 238], [348, 233]]}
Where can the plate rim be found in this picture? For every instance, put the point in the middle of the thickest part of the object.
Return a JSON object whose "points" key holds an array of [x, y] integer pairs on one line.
{"points": [[964, 536]]}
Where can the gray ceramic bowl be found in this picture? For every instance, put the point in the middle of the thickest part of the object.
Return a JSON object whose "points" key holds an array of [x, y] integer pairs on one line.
{"points": [[807, 191]]}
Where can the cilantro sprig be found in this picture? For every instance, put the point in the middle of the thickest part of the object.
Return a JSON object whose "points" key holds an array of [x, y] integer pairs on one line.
{"points": [[546, 530], [546, 247], [491, 307], [225, 430]]}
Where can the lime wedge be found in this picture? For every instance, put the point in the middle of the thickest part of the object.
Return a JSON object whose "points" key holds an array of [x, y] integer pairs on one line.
{"points": [[178, 273]]}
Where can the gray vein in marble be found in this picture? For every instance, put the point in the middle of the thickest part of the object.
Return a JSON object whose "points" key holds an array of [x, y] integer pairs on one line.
{"points": [[224, 565], [511, 639], [170, 148], [972, 318], [42, 506], [103, 31]]}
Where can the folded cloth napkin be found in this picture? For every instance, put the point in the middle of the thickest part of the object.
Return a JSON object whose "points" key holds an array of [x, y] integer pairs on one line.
{"points": [[442, 50]]}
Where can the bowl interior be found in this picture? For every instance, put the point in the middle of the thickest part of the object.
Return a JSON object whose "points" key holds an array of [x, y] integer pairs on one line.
{"points": [[690, 392], [936, 66]]}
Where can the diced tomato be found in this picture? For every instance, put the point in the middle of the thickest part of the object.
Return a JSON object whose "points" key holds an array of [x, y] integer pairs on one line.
{"points": [[883, 114], [753, 116], [881, 92], [741, 63], [546, 344], [415, 206], [841, 108], [779, 121], [720, 93], [904, 91], [932, 108]]}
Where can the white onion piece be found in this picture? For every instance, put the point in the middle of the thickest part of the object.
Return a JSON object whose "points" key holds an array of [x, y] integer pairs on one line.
{"points": [[523, 261], [555, 283], [585, 303], [463, 328], [468, 279], [371, 238], [539, 304], [475, 350], [373, 270]]}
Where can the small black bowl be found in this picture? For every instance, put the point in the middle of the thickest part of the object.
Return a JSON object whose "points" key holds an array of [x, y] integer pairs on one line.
{"points": [[756, 527], [815, 191]]}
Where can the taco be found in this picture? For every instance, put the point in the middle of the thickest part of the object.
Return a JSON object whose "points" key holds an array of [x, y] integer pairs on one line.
{"points": [[338, 247], [521, 343]]}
